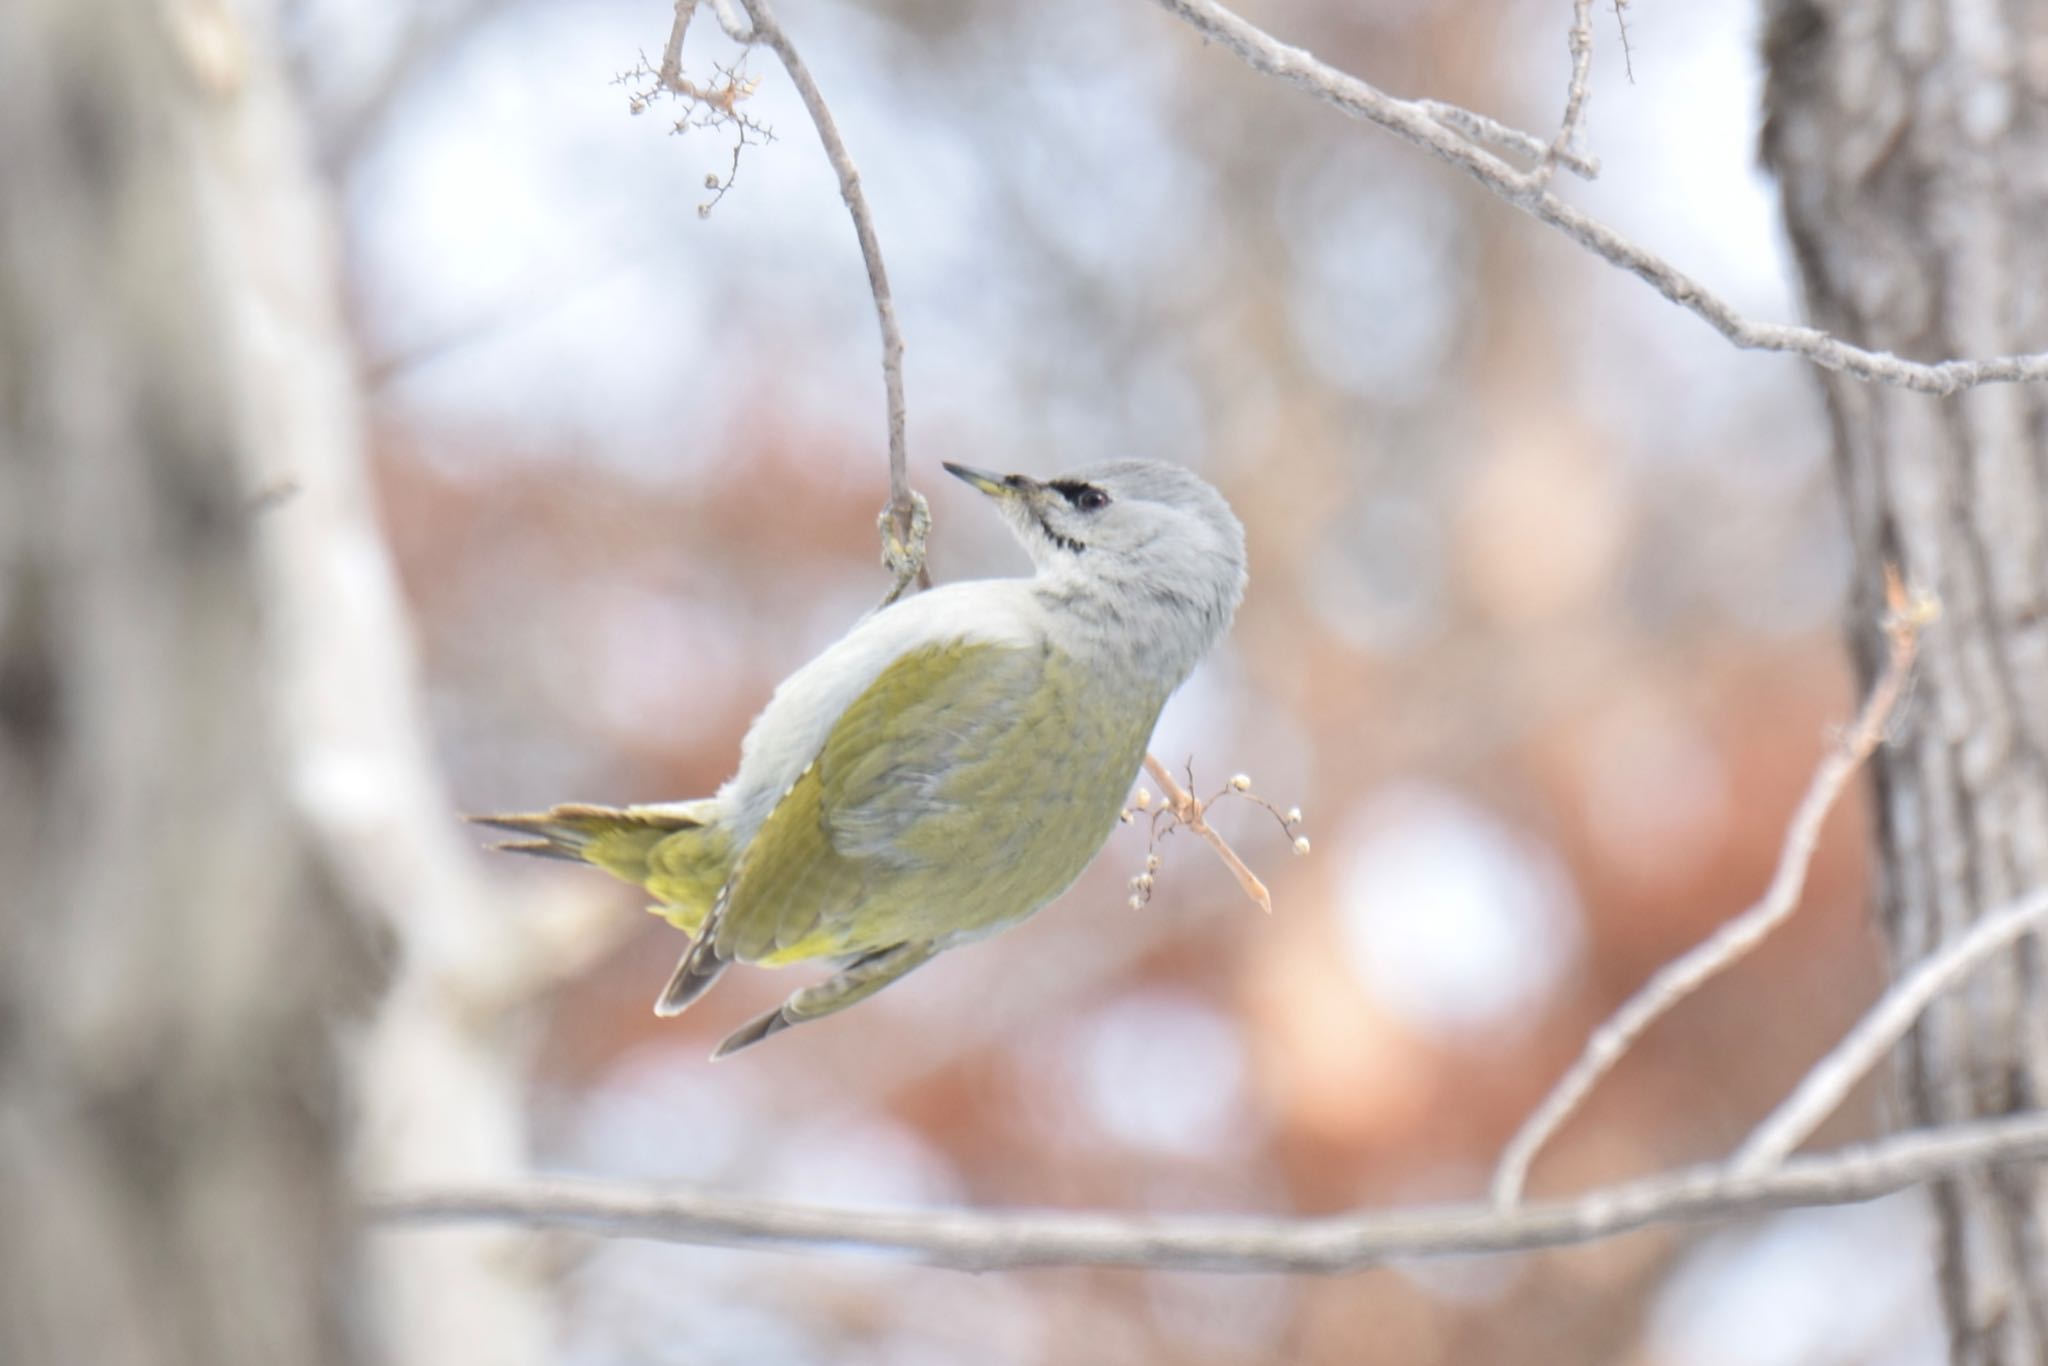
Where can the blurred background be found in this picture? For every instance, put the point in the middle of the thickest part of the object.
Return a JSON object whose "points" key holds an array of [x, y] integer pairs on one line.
{"points": [[1543, 636]]}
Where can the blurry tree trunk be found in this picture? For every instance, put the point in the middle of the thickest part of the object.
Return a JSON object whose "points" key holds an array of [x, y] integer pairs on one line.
{"points": [[216, 800], [172, 949], [1911, 144]]}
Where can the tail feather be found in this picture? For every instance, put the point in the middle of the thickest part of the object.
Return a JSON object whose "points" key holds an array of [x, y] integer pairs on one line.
{"points": [[617, 839], [693, 976], [545, 848], [679, 852]]}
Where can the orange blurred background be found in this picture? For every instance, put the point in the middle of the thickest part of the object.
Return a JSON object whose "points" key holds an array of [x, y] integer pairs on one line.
{"points": [[1543, 636]]}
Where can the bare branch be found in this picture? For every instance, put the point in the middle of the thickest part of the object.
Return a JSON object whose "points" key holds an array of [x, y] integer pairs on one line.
{"points": [[902, 545], [712, 105], [1833, 1077], [671, 72], [1412, 120], [1501, 138], [971, 1240], [729, 19], [1685, 974], [716, 105], [1581, 40]]}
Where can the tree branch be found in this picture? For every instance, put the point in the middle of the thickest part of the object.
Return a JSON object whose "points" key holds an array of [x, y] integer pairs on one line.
{"points": [[1413, 120], [976, 1241], [1835, 1075], [1576, 95], [1682, 976], [729, 20], [671, 71], [1501, 138], [903, 538]]}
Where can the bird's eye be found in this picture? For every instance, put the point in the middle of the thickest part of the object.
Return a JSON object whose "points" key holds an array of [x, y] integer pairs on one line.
{"points": [[1086, 497]]}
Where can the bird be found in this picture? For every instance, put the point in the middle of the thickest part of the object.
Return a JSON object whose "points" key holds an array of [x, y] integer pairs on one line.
{"points": [[947, 767]]}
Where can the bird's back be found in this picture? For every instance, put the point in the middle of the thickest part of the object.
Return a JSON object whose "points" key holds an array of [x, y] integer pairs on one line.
{"points": [[792, 729]]}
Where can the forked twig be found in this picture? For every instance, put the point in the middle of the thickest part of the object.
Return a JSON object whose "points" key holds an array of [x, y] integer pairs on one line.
{"points": [[1191, 813], [1414, 121], [1884, 1024], [1576, 95], [1906, 616]]}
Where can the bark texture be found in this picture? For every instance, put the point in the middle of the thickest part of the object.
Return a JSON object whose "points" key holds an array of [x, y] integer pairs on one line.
{"points": [[172, 948], [219, 817], [1910, 139]]}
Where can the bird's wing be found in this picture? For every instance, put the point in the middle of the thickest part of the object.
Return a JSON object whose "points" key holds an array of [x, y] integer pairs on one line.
{"points": [[903, 777]]}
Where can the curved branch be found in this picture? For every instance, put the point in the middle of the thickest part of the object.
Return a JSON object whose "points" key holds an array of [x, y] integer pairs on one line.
{"points": [[1834, 1076], [1412, 120], [1685, 974], [904, 551], [970, 1240]]}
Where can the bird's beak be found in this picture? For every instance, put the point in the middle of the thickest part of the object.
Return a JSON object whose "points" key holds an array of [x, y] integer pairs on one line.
{"points": [[994, 485]]}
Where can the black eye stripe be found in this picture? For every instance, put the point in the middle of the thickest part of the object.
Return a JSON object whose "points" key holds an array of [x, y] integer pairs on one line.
{"points": [[1086, 497]]}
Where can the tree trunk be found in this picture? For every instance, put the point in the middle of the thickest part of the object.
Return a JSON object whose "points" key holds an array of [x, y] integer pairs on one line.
{"points": [[215, 789], [1911, 145], [172, 949]]}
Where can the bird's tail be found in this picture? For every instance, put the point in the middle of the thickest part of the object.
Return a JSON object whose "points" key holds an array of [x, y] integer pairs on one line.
{"points": [[677, 851]]}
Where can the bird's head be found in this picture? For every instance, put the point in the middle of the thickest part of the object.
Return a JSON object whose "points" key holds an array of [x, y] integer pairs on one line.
{"points": [[1135, 525]]}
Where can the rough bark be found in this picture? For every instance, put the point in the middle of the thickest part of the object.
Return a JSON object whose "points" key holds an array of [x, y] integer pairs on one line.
{"points": [[218, 813], [1911, 144], [172, 948]]}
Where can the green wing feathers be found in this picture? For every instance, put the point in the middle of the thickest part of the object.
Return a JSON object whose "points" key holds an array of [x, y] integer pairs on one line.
{"points": [[816, 880], [925, 816], [676, 852]]}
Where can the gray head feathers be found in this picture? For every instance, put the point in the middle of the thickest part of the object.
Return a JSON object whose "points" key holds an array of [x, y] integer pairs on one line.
{"points": [[1139, 548]]}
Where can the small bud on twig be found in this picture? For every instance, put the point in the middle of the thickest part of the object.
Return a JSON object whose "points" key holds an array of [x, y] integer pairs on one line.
{"points": [[1179, 807]]}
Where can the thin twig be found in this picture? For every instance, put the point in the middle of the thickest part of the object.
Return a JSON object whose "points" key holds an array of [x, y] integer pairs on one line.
{"points": [[1834, 1076], [1501, 138], [1685, 974], [973, 1240], [904, 551], [671, 72], [719, 188], [1409, 119], [729, 20], [1189, 812], [716, 105], [1576, 94]]}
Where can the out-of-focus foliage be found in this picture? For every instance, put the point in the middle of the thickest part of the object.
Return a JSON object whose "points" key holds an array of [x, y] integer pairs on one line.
{"points": [[1542, 635]]}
